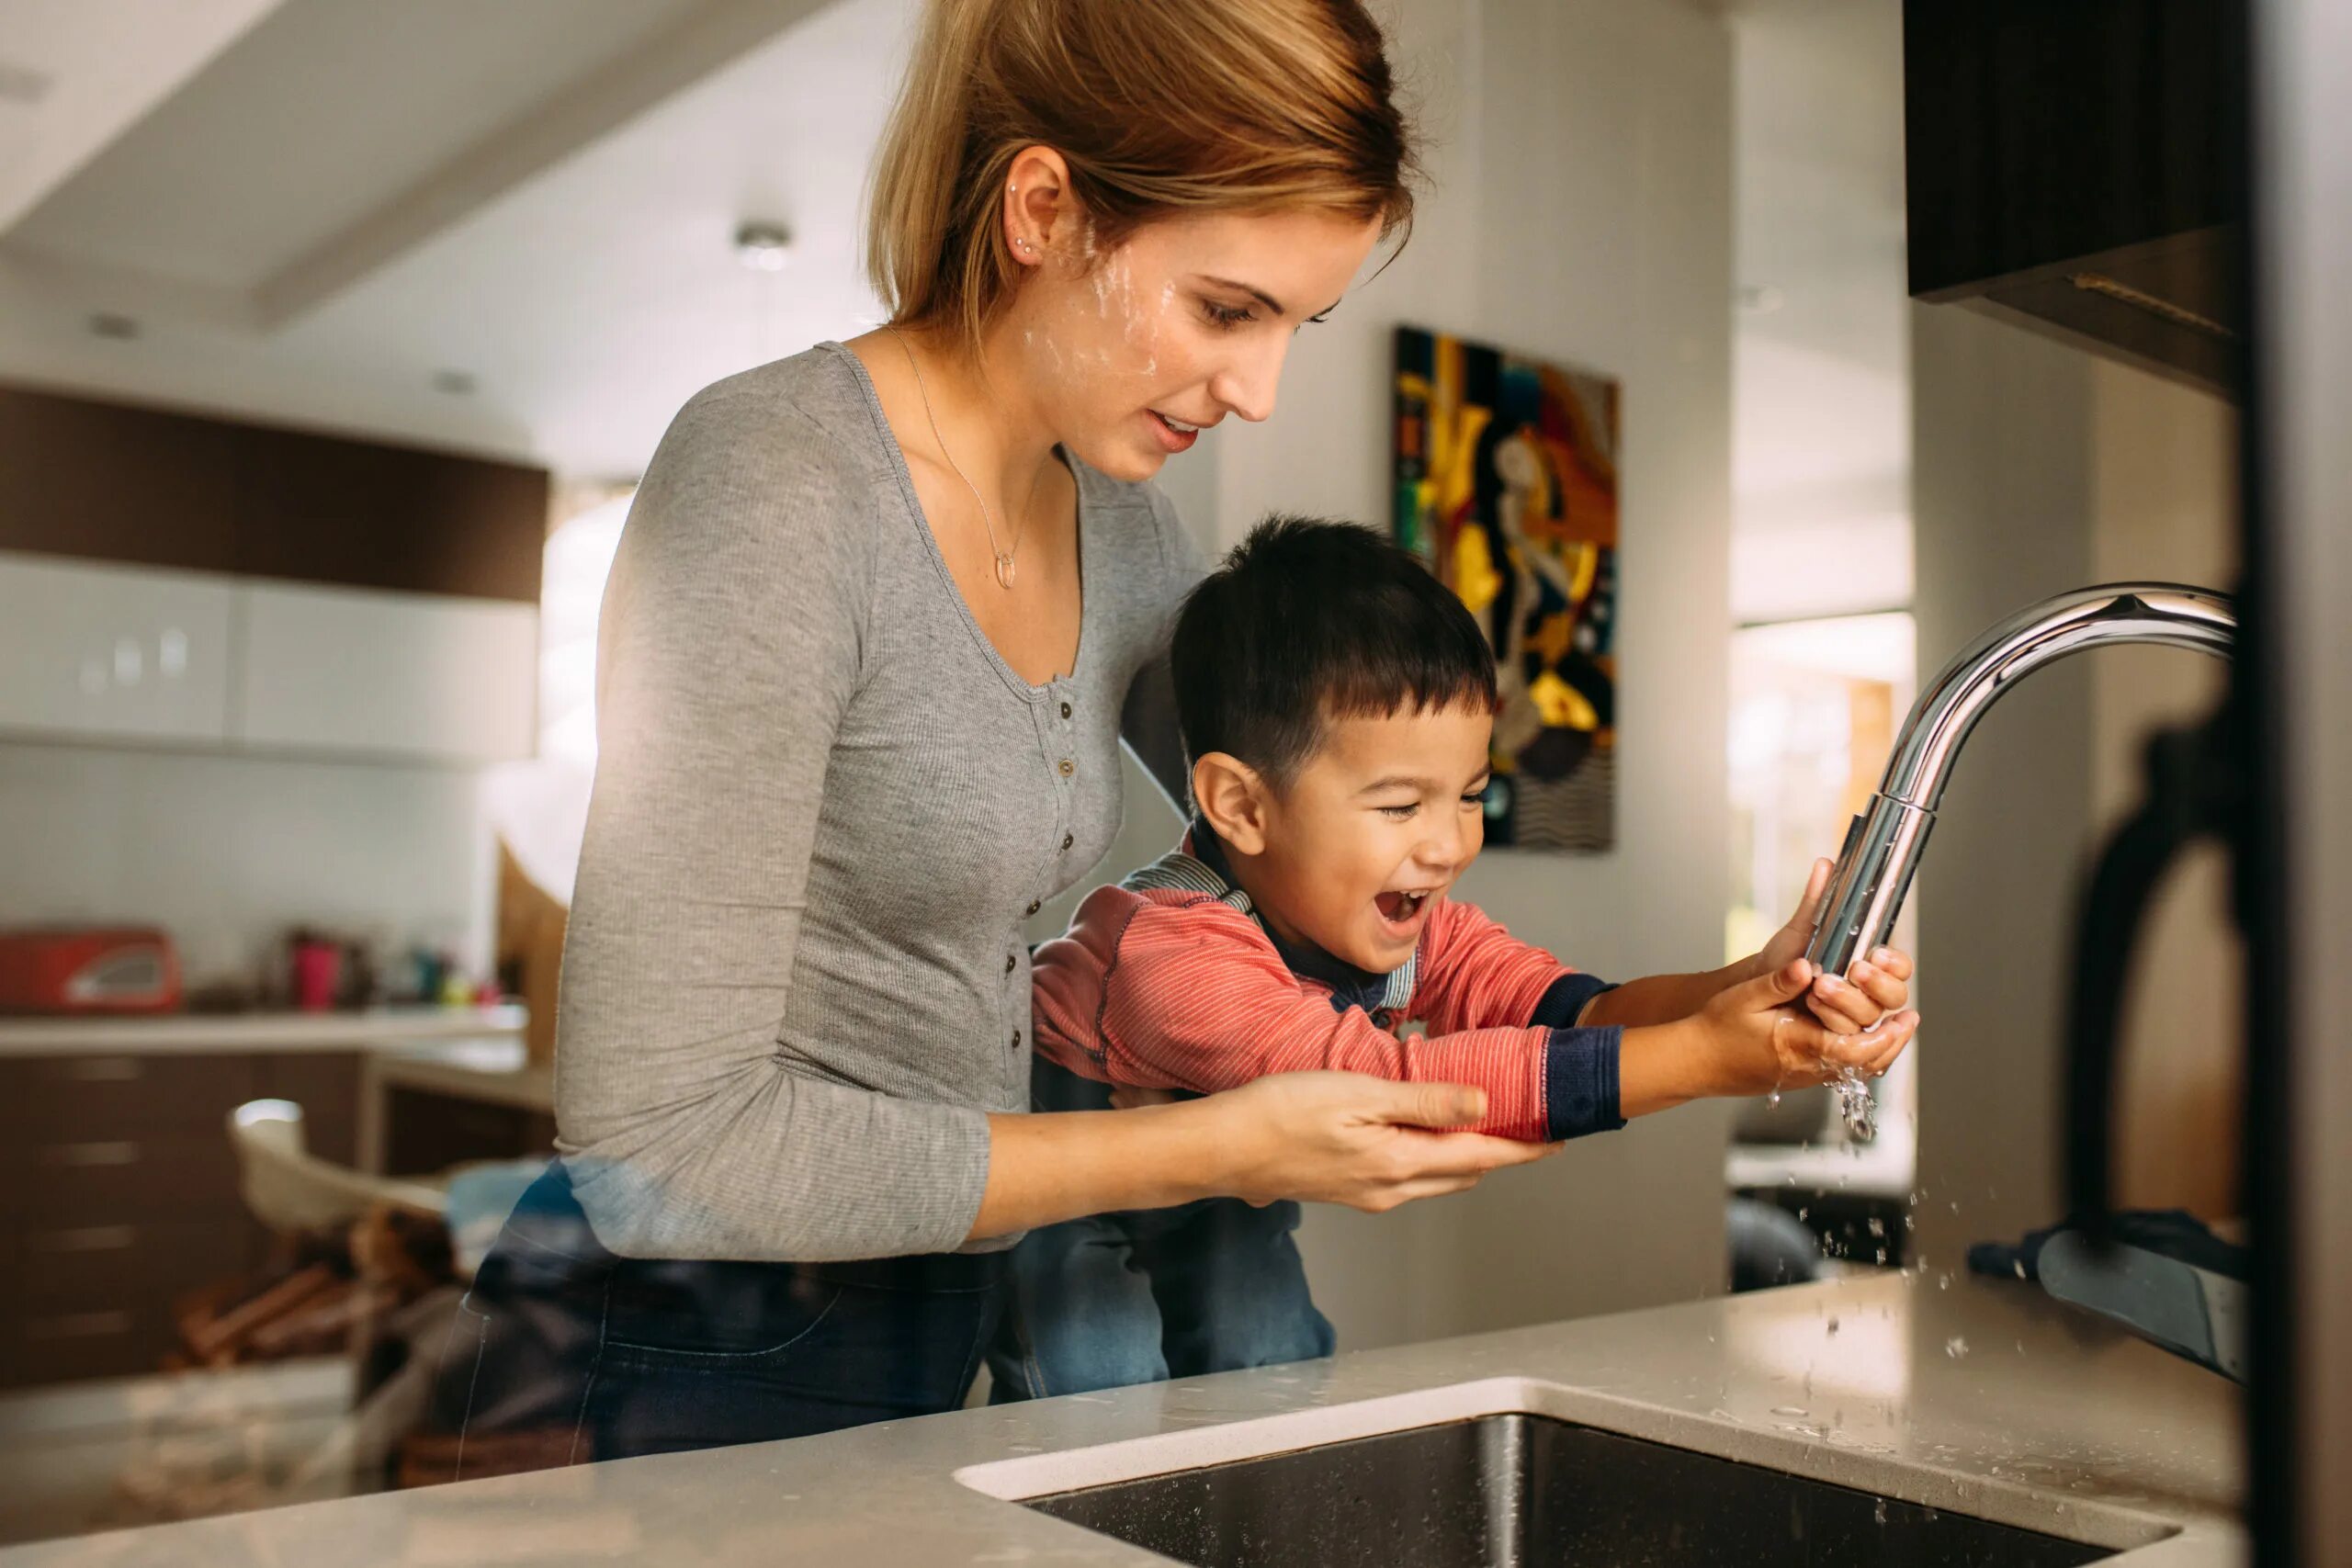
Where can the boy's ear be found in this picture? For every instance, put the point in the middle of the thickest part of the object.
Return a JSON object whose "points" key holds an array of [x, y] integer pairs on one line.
{"points": [[1232, 800]]}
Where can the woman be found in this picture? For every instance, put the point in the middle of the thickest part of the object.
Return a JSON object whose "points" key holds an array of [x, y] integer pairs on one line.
{"points": [[870, 638]]}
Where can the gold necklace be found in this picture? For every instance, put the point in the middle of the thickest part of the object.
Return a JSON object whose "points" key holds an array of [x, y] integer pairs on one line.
{"points": [[1004, 557]]}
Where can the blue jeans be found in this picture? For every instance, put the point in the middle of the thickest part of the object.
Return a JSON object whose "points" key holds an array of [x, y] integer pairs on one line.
{"points": [[1147, 1294], [563, 1353]]}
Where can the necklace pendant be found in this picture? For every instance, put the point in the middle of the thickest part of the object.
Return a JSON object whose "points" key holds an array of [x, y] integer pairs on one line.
{"points": [[1004, 571]]}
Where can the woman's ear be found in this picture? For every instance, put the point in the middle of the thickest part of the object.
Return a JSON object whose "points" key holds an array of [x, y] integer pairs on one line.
{"points": [[1232, 800], [1039, 209]]}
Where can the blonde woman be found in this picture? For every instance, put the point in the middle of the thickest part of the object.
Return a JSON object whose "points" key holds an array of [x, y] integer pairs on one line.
{"points": [[883, 613]]}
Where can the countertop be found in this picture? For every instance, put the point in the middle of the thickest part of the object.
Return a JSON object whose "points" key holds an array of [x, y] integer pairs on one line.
{"points": [[252, 1031], [1981, 1396]]}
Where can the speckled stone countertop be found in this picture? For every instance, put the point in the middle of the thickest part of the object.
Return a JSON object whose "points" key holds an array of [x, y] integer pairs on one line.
{"points": [[1980, 1397]]}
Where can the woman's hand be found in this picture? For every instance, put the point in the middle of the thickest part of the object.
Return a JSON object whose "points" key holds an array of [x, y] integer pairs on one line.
{"points": [[1750, 1041], [1348, 1138], [1873, 987]]}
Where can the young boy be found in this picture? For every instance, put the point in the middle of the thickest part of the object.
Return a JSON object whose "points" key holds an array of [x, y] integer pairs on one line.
{"points": [[1336, 703]]}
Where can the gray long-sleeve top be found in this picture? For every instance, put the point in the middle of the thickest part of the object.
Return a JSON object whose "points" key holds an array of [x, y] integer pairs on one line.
{"points": [[795, 980]]}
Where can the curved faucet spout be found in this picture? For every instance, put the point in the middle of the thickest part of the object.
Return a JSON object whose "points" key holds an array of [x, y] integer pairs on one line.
{"points": [[1885, 844]]}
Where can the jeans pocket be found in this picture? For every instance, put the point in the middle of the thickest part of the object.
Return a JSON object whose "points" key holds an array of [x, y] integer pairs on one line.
{"points": [[719, 1330]]}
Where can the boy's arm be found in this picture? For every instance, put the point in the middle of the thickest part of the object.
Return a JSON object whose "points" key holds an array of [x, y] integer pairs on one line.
{"points": [[1192, 996], [1663, 999], [1475, 975]]}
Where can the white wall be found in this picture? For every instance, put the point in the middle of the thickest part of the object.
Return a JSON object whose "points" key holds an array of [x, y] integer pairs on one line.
{"points": [[226, 852], [1580, 155], [2039, 468]]}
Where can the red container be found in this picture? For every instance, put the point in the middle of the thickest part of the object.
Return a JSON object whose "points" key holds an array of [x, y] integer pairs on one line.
{"points": [[87, 970], [318, 967]]}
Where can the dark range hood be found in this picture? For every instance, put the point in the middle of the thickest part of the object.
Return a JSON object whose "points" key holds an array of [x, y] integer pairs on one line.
{"points": [[2070, 166]]}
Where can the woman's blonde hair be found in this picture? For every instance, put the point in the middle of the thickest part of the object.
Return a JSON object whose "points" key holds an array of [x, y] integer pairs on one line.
{"points": [[1160, 108]]}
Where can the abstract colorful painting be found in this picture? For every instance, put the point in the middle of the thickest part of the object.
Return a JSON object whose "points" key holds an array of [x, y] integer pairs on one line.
{"points": [[1506, 487]]}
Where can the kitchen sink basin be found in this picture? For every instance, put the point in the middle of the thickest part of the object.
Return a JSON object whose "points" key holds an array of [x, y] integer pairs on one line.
{"points": [[1503, 1490]]}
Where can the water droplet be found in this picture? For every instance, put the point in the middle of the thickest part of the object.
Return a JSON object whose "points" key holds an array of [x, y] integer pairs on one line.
{"points": [[1832, 1325], [1879, 1513], [1956, 1347]]}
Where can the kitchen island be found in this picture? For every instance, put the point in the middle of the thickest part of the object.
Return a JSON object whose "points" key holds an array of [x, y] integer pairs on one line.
{"points": [[1970, 1397]]}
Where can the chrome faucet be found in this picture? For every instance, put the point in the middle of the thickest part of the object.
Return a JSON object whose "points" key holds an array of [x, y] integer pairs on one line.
{"points": [[1884, 845]]}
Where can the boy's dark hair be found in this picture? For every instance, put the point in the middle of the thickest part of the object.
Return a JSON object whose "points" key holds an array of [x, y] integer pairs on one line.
{"points": [[1309, 619]]}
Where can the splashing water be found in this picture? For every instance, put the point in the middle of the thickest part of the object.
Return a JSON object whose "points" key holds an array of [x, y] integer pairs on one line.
{"points": [[1956, 1347], [1855, 1105]]}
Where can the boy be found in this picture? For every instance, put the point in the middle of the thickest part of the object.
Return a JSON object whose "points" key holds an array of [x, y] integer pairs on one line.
{"points": [[1336, 703]]}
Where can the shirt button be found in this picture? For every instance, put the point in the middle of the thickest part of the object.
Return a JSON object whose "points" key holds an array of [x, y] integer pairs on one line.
{"points": [[1033, 906], [1065, 710], [1068, 767], [1067, 840], [1009, 962]]}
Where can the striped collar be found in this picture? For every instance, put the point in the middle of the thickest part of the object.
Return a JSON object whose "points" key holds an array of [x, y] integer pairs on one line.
{"points": [[1198, 865]]}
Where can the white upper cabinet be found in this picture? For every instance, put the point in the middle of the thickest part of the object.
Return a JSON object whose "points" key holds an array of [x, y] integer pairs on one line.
{"points": [[113, 651], [431, 677]]}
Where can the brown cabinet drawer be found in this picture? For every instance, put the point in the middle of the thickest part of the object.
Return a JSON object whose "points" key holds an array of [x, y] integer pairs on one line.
{"points": [[84, 1268], [116, 1094], [45, 1347], [112, 1180]]}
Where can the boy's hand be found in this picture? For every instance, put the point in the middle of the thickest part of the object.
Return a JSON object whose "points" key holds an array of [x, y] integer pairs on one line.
{"points": [[1873, 987], [1755, 1041]]}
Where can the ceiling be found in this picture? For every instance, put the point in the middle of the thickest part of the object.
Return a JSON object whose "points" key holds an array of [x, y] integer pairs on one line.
{"points": [[502, 227]]}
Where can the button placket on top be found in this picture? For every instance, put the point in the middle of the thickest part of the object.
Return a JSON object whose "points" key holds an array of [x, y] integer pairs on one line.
{"points": [[1057, 738]]}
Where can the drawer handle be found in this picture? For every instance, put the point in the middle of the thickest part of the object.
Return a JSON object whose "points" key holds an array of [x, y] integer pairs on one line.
{"points": [[86, 1238], [105, 1070], [124, 1153], [78, 1325]]}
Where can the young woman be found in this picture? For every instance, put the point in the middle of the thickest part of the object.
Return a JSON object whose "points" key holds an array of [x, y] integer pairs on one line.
{"points": [[882, 616]]}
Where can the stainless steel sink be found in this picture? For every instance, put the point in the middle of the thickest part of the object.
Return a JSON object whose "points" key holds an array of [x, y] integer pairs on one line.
{"points": [[1505, 1489]]}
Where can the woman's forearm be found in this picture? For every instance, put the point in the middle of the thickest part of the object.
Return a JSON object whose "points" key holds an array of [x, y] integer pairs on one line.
{"points": [[1047, 1168]]}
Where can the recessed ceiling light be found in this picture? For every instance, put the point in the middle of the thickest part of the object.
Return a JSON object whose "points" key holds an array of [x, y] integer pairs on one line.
{"points": [[763, 246], [111, 324], [457, 383]]}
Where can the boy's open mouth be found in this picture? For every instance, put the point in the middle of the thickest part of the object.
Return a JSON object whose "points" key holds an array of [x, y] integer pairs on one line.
{"points": [[1400, 908]]}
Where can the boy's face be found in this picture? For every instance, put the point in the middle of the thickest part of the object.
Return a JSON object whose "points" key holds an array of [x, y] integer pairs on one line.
{"points": [[1360, 846]]}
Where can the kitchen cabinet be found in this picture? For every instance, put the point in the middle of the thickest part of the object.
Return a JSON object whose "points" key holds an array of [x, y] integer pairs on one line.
{"points": [[2078, 168], [103, 652], [108, 481], [119, 1194], [171, 578], [109, 651], [392, 674]]}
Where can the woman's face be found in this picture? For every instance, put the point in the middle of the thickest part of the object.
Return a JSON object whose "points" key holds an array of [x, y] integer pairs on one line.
{"points": [[1127, 354]]}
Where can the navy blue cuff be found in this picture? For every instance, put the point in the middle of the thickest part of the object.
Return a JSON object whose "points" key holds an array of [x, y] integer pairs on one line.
{"points": [[1580, 1082], [1564, 998]]}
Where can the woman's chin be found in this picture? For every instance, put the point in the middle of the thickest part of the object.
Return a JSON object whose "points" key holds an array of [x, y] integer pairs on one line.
{"points": [[1120, 458]]}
